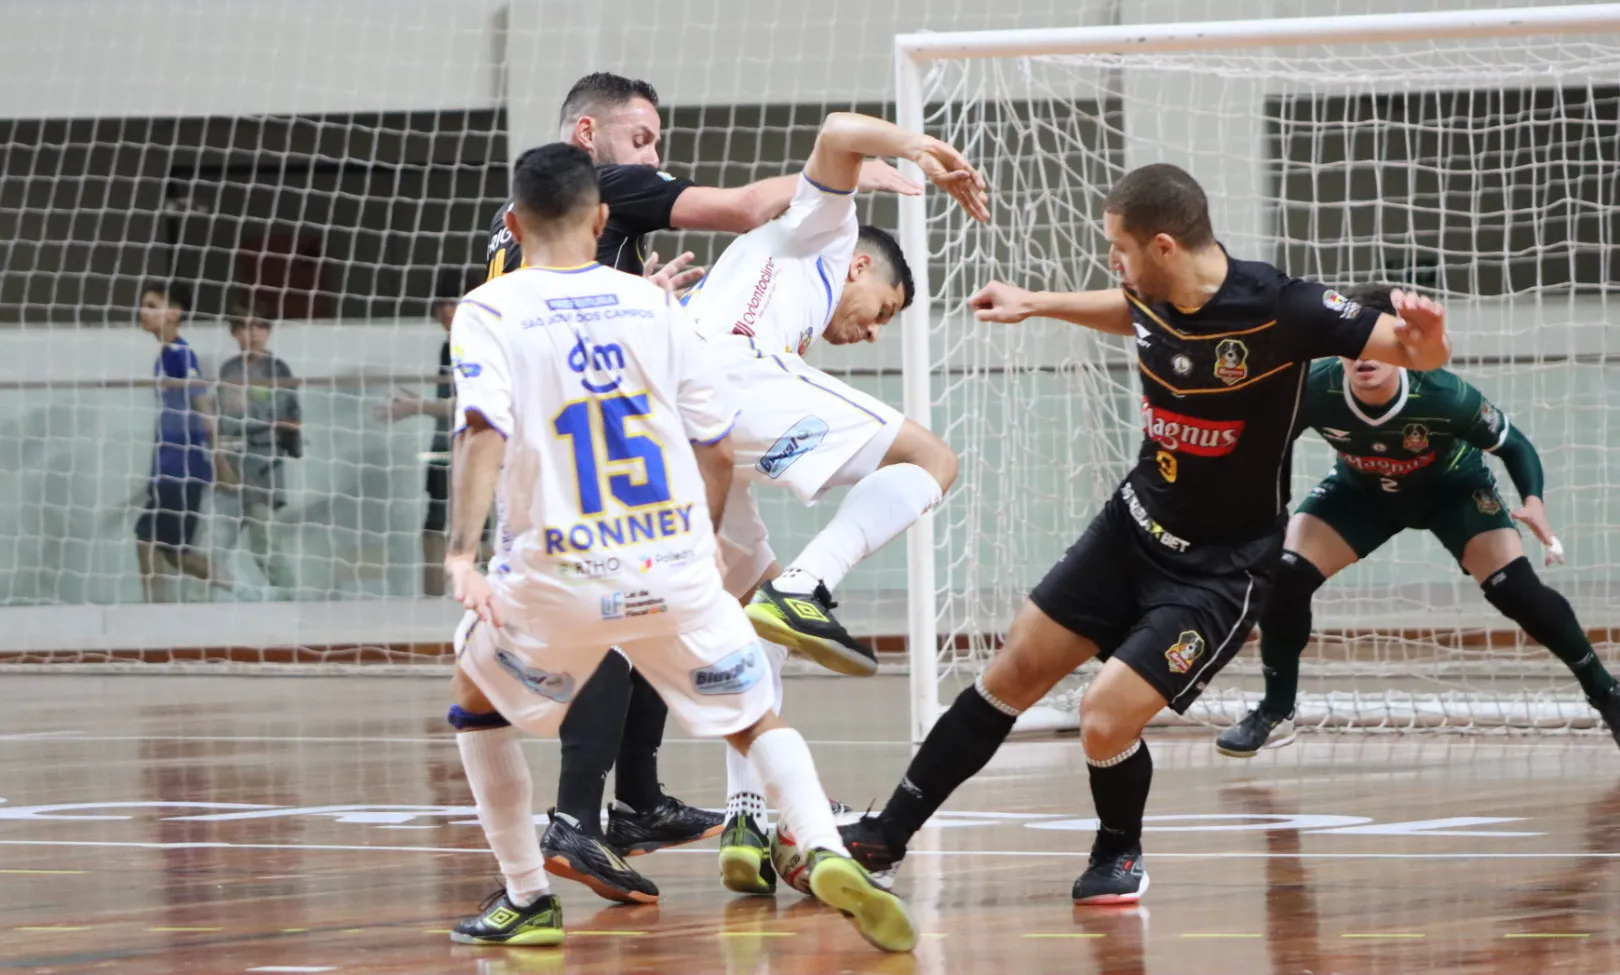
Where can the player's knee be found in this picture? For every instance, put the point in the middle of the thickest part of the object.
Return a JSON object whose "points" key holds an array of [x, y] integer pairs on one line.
{"points": [[1020, 674], [466, 695], [919, 446], [1519, 594], [1287, 613], [1103, 732]]}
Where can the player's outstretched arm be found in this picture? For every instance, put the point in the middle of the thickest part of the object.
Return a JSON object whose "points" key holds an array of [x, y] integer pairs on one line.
{"points": [[740, 209], [475, 465], [1414, 337], [1105, 311], [846, 139]]}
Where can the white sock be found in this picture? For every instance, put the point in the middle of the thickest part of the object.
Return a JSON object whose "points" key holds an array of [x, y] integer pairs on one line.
{"points": [[882, 505], [504, 791], [782, 759], [745, 793]]}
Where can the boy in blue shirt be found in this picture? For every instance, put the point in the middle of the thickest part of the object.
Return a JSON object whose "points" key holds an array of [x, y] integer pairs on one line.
{"points": [[182, 457]]}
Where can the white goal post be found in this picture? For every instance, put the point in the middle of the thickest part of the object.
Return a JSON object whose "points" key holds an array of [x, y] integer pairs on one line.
{"points": [[1471, 153]]}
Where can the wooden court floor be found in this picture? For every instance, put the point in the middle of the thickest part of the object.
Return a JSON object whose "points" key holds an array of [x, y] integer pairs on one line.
{"points": [[159, 824]]}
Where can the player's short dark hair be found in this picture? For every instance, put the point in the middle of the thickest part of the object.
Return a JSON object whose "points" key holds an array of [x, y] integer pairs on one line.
{"points": [[881, 245], [1374, 296], [554, 181], [601, 90], [173, 293], [1162, 199]]}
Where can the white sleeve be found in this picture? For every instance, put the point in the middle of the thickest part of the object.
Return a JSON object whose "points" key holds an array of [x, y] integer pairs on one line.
{"points": [[708, 410], [818, 221], [478, 362]]}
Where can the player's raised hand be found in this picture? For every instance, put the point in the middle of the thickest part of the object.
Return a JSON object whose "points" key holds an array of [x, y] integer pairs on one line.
{"points": [[878, 176], [1534, 517], [949, 170], [670, 276], [1422, 323], [472, 590], [998, 302]]}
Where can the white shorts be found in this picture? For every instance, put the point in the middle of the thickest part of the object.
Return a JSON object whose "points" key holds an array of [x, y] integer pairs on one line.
{"points": [[800, 426], [716, 680]]}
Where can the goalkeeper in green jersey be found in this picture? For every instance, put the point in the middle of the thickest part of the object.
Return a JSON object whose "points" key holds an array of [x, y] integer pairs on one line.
{"points": [[1409, 456]]}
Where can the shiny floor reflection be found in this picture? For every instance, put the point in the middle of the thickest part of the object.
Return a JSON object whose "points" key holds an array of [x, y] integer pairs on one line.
{"points": [[157, 824]]}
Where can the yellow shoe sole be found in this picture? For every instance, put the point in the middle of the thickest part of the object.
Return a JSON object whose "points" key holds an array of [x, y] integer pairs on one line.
{"points": [[834, 656], [880, 917], [740, 870], [537, 938]]}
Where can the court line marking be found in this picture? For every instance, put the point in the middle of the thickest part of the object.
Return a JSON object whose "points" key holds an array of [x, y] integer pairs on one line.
{"points": [[710, 851], [1530, 934], [47, 873], [185, 930], [447, 739]]}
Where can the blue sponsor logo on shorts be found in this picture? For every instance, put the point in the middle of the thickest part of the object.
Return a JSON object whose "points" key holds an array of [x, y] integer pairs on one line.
{"points": [[556, 687], [732, 675], [803, 437]]}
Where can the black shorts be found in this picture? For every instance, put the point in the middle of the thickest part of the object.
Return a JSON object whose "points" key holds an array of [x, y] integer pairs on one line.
{"points": [[1174, 617], [438, 492], [172, 507]]}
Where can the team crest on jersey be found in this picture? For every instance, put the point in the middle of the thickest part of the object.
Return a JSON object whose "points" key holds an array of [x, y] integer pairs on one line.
{"points": [[1415, 438], [1185, 651], [1487, 502], [1231, 361], [1181, 364], [1333, 301], [1490, 416], [1380, 447]]}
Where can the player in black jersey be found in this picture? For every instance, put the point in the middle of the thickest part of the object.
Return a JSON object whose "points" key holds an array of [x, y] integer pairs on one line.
{"points": [[617, 718], [1166, 582]]}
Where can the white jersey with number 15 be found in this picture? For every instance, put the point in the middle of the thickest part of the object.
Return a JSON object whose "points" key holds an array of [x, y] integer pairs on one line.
{"points": [[600, 387]]}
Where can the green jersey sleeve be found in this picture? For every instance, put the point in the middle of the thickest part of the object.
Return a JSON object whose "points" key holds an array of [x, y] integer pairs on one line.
{"points": [[1482, 424]]}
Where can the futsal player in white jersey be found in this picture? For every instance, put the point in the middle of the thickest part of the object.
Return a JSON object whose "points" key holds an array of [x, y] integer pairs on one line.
{"points": [[815, 273], [587, 411]]}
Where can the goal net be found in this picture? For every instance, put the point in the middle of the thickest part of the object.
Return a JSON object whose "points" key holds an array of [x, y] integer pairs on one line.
{"points": [[1472, 156]]}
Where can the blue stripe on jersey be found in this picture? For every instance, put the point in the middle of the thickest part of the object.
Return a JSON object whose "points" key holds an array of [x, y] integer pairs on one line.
{"points": [[825, 189], [826, 285], [480, 304]]}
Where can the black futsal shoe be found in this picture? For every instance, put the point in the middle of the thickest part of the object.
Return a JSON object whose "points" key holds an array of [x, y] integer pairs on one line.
{"points": [[670, 823], [574, 854], [1258, 729], [1608, 705], [745, 857], [1112, 878], [503, 923], [870, 848], [805, 623]]}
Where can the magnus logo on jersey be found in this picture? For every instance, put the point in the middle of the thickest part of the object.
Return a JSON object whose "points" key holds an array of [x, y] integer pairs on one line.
{"points": [[1387, 466], [1231, 361], [801, 438], [733, 674], [1415, 437], [554, 687], [1189, 646], [1188, 434]]}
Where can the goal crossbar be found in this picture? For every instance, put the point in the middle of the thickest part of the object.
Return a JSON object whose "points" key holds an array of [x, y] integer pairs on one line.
{"points": [[1277, 32]]}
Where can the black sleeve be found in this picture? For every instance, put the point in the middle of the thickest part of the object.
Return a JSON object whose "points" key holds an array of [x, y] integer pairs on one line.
{"points": [[640, 198], [503, 253], [1317, 321]]}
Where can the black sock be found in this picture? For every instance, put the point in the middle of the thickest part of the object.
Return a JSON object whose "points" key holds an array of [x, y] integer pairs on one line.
{"points": [[1120, 792], [1285, 628], [959, 744], [1543, 613], [636, 771], [590, 738]]}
